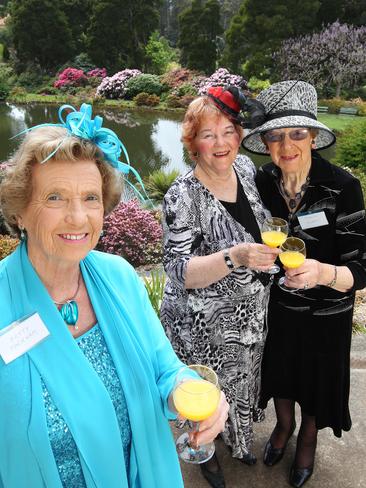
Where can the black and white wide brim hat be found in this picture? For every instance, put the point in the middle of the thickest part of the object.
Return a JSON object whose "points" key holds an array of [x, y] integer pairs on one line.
{"points": [[288, 104]]}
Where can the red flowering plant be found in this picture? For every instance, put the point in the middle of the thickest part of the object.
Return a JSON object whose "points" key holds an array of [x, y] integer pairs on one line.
{"points": [[133, 233], [71, 77]]}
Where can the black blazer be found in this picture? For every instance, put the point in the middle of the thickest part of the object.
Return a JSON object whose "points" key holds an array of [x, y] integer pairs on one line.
{"points": [[342, 241]]}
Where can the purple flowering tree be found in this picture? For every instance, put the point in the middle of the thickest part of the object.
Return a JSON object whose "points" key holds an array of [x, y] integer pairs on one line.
{"points": [[115, 86], [335, 56], [220, 77]]}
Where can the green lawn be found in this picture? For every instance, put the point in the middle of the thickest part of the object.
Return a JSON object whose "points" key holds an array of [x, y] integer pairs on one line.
{"points": [[338, 122]]}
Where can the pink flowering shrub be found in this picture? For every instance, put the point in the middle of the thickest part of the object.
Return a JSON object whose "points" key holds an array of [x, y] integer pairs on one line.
{"points": [[115, 86], [221, 77], [176, 77], [97, 73], [133, 233], [71, 77]]}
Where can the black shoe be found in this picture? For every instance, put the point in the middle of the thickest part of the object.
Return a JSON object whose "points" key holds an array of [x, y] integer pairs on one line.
{"points": [[299, 476], [215, 478], [248, 459], [273, 455]]}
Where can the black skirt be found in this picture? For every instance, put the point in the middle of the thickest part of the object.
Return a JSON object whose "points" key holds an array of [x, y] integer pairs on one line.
{"points": [[307, 359]]}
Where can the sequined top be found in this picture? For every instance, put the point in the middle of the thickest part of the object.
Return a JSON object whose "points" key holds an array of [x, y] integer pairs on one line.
{"points": [[95, 349]]}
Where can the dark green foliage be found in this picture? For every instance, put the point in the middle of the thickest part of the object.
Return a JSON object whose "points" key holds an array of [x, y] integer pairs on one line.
{"points": [[77, 14], [146, 99], [351, 147], [143, 83], [119, 31], [4, 90], [41, 33], [159, 182], [199, 30], [258, 29], [82, 61]]}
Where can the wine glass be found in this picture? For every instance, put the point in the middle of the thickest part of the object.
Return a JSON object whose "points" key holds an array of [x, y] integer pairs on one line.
{"points": [[196, 396], [292, 256], [274, 233]]}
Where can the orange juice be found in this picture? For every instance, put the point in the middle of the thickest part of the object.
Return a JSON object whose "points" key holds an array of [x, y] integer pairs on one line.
{"points": [[292, 259], [196, 399], [273, 238]]}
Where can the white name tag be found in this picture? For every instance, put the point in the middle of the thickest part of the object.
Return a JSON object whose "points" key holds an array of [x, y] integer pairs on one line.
{"points": [[21, 336], [316, 219]]}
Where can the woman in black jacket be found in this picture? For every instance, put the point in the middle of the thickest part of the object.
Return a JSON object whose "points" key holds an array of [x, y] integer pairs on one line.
{"points": [[307, 353]]}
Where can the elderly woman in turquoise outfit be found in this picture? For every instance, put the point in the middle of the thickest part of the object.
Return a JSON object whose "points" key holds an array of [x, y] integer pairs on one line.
{"points": [[86, 371]]}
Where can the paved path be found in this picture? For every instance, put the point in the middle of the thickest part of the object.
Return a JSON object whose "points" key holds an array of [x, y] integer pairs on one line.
{"points": [[340, 463]]}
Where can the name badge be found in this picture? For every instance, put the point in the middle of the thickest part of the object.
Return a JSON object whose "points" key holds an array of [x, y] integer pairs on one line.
{"points": [[311, 220], [21, 336]]}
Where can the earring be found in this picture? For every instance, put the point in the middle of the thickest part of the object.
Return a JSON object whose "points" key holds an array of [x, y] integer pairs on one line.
{"points": [[23, 233], [101, 233], [313, 141]]}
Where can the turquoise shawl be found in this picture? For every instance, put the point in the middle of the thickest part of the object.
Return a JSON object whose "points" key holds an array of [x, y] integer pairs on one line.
{"points": [[145, 363]]}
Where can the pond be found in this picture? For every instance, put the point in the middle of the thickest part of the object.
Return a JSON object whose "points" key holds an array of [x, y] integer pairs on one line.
{"points": [[152, 138]]}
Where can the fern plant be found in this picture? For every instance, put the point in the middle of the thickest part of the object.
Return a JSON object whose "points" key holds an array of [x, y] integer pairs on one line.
{"points": [[155, 284], [159, 182]]}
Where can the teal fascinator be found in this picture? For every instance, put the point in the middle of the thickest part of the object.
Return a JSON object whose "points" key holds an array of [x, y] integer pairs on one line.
{"points": [[81, 124]]}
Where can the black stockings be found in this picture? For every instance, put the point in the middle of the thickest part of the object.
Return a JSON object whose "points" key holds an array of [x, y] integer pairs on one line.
{"points": [[306, 442], [306, 438], [285, 412]]}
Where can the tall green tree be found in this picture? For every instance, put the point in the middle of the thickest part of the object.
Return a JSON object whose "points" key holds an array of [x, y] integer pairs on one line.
{"points": [[258, 29], [40, 32], [76, 12], [199, 31], [119, 31]]}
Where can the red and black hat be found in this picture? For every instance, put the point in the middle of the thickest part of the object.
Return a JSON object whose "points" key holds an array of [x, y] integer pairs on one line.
{"points": [[225, 101]]}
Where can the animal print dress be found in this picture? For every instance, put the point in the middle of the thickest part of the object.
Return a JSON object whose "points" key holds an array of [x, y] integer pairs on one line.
{"points": [[222, 325]]}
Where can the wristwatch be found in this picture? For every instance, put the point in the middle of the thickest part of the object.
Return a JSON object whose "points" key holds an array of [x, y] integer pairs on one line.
{"points": [[228, 261]]}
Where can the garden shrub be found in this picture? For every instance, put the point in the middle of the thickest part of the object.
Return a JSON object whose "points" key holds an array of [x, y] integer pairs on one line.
{"points": [[256, 85], [351, 146], [115, 86], [70, 77], [4, 90], [82, 61], [7, 74], [220, 77], [7, 245], [97, 73], [134, 233], [177, 76], [185, 89], [173, 101], [146, 99], [159, 182], [18, 92], [335, 104], [143, 83], [47, 90], [31, 78], [155, 285]]}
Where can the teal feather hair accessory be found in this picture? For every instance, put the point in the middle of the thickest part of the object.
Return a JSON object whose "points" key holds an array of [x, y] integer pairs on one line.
{"points": [[80, 124]]}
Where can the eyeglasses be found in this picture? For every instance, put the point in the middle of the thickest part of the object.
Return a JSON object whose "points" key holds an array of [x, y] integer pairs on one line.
{"points": [[278, 136]]}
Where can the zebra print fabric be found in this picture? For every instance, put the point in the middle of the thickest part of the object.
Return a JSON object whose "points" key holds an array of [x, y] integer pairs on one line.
{"points": [[222, 325]]}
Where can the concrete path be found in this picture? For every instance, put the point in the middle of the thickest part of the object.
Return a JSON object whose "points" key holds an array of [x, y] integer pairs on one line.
{"points": [[340, 463]]}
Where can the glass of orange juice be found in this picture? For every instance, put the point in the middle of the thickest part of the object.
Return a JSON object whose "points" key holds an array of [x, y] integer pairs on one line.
{"points": [[274, 233], [292, 256], [196, 396]]}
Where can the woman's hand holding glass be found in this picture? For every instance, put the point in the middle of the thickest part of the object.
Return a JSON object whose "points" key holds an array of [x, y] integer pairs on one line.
{"points": [[255, 256], [293, 254], [274, 233], [197, 397]]}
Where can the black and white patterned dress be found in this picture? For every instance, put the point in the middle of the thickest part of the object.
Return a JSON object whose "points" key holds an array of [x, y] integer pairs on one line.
{"points": [[222, 325]]}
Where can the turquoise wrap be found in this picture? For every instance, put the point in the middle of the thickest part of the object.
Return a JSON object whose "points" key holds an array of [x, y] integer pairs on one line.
{"points": [[145, 363]]}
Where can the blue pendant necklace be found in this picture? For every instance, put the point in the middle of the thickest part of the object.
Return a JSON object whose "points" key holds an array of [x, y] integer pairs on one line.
{"points": [[69, 309]]}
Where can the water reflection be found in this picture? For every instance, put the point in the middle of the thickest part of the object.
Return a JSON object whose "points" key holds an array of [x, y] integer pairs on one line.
{"points": [[152, 138]]}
